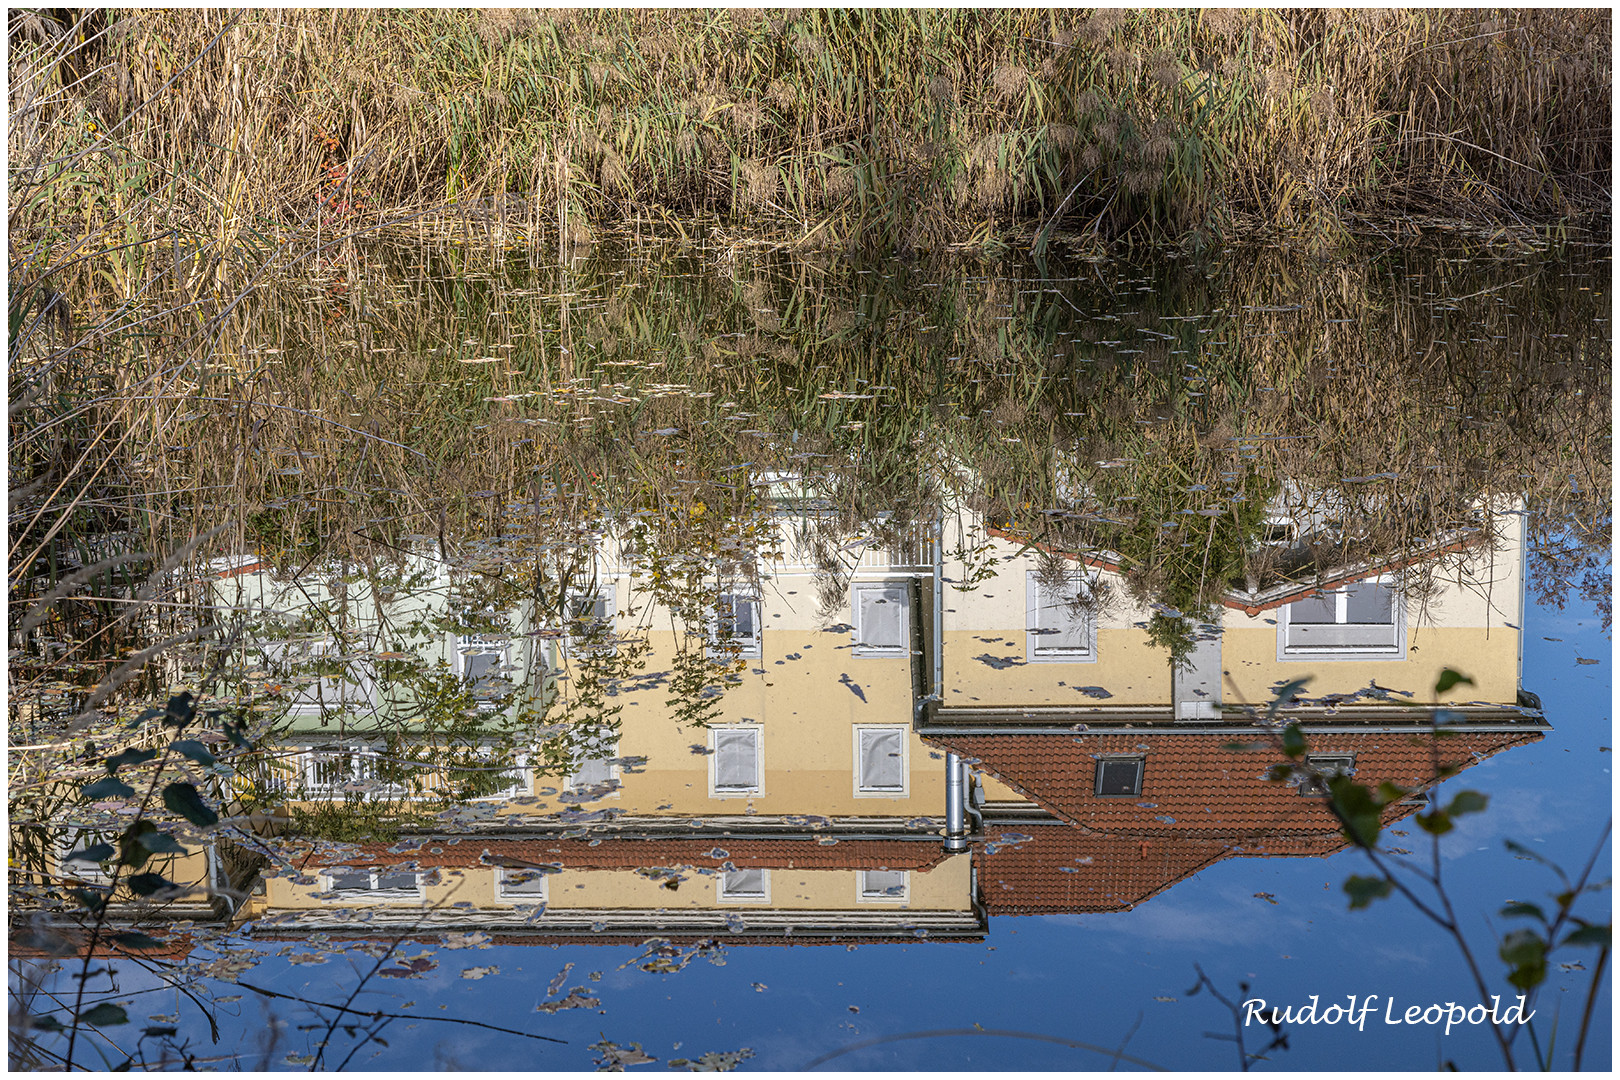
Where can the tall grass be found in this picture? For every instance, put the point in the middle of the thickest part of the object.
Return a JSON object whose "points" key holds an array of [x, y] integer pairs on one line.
{"points": [[888, 128]]}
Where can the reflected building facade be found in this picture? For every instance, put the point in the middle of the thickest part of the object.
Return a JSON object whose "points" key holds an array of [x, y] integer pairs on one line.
{"points": [[974, 727]]}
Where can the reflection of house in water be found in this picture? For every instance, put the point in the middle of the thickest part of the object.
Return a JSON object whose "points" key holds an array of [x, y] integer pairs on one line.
{"points": [[979, 688]]}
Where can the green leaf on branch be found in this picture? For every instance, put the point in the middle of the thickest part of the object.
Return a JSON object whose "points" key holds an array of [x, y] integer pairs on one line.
{"points": [[1358, 809], [134, 939], [104, 1015], [132, 756], [1364, 890], [1435, 824], [1449, 678], [96, 853], [131, 852], [1293, 741], [1590, 935], [1521, 907], [1284, 694], [40, 1022], [160, 843], [1467, 802], [147, 884], [184, 800], [191, 748], [92, 900], [1526, 952], [180, 710], [108, 787]]}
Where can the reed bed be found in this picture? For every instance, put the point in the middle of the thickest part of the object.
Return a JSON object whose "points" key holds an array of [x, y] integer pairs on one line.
{"points": [[867, 128]]}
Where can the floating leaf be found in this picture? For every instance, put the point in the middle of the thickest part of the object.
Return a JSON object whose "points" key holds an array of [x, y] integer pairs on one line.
{"points": [[184, 800], [104, 1015]]}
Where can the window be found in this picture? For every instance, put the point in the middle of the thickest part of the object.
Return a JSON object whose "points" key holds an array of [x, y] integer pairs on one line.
{"points": [[745, 886], [882, 613], [880, 761], [1119, 776], [71, 841], [1060, 624], [734, 767], [883, 886], [1327, 765], [735, 629], [523, 884], [481, 661], [594, 770], [335, 771], [316, 681], [1365, 619], [375, 885], [492, 778], [591, 621]]}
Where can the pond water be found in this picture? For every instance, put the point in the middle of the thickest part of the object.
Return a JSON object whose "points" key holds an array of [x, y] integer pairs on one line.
{"points": [[706, 656]]}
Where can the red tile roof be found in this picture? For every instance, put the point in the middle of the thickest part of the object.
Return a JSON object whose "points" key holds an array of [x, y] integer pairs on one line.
{"points": [[1061, 869], [1195, 785]]}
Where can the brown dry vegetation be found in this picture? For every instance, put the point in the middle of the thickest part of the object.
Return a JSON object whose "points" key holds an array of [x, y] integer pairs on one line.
{"points": [[874, 127]]}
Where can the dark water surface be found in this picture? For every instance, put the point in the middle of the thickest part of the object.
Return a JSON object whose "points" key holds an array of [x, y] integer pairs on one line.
{"points": [[701, 656]]}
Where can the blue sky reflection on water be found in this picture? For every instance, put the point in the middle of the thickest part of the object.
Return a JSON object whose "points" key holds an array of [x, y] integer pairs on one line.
{"points": [[1085, 978]]}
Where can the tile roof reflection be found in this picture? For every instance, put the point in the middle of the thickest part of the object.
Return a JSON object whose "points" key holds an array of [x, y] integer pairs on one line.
{"points": [[1199, 785]]}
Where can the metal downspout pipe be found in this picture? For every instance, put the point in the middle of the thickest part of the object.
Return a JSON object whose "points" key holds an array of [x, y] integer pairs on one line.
{"points": [[956, 783], [956, 831]]}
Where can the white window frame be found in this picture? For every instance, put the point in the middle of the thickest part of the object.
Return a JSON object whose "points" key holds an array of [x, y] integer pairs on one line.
{"points": [[866, 894], [524, 785], [571, 781], [904, 790], [715, 790], [723, 896], [540, 875], [91, 873], [887, 585], [309, 762], [375, 895], [1037, 646], [735, 646], [358, 693], [470, 645], [606, 595], [1392, 649], [1310, 786]]}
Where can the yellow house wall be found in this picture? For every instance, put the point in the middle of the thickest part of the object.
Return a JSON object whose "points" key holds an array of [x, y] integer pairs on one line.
{"points": [[1471, 625], [985, 641], [801, 692], [944, 887]]}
